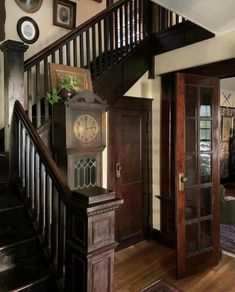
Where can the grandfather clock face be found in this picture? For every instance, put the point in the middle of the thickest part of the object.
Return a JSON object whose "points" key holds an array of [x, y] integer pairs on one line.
{"points": [[86, 128]]}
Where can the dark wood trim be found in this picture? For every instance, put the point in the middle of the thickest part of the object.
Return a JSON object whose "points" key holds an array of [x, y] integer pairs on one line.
{"points": [[220, 69], [130, 102], [2, 20], [178, 36]]}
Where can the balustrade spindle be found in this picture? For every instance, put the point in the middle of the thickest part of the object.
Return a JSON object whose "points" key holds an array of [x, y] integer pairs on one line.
{"points": [[126, 26], [100, 37], [94, 52], [68, 54], [75, 53], [106, 42]]}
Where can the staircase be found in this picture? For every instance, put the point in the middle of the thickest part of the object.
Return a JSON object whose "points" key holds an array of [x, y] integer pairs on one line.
{"points": [[117, 50], [22, 263]]}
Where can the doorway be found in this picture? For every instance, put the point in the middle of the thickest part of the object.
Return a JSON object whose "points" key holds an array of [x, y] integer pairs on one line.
{"points": [[129, 167], [190, 170], [227, 166]]}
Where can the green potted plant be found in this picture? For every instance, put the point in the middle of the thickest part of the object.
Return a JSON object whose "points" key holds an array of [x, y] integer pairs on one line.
{"points": [[67, 89]]}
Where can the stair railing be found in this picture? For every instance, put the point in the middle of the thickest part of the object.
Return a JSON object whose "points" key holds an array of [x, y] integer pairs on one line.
{"points": [[70, 224], [45, 192], [97, 45], [164, 18]]}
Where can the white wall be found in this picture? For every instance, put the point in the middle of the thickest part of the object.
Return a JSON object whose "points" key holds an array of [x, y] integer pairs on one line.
{"points": [[48, 32], [44, 18], [151, 88]]}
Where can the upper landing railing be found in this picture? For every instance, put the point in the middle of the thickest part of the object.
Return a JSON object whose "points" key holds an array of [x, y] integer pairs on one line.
{"points": [[97, 44]]}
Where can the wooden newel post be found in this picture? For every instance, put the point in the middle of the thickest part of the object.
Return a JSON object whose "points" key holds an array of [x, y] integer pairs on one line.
{"points": [[91, 241], [13, 79]]}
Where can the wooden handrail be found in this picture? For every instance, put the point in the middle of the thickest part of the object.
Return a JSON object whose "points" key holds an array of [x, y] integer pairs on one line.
{"points": [[52, 168], [69, 36]]}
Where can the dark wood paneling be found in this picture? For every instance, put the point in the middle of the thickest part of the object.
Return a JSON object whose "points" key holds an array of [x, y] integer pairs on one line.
{"points": [[183, 34], [121, 77], [221, 69], [135, 184]]}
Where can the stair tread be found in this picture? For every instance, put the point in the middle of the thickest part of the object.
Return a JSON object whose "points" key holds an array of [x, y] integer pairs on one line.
{"points": [[21, 266], [15, 227], [8, 196]]}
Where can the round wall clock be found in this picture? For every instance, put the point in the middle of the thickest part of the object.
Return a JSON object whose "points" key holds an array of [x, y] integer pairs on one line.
{"points": [[86, 128]]}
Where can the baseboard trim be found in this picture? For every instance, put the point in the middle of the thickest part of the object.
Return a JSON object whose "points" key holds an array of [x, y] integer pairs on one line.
{"points": [[165, 238]]}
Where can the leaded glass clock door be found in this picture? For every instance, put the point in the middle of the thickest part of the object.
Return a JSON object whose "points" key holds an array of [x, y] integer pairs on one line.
{"points": [[197, 175]]}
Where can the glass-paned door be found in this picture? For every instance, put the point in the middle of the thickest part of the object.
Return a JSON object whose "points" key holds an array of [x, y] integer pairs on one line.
{"points": [[197, 176]]}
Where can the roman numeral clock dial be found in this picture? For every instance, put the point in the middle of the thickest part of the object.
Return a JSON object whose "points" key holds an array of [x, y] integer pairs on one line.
{"points": [[86, 128]]}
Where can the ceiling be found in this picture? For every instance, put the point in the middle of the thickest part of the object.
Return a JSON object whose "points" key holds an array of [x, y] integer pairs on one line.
{"points": [[217, 16]]}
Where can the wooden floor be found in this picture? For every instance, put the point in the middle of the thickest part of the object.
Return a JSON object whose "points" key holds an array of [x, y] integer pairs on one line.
{"points": [[138, 266]]}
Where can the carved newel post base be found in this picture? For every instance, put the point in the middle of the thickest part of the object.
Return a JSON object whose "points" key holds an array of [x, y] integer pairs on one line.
{"points": [[91, 240]]}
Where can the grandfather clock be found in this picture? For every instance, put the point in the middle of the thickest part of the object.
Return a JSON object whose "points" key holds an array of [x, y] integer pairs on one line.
{"points": [[79, 137]]}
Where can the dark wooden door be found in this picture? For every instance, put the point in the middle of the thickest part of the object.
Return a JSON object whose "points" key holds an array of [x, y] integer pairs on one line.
{"points": [[127, 162], [197, 173]]}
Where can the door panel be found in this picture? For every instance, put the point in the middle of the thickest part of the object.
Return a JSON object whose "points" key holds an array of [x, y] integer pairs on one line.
{"points": [[197, 175], [126, 136]]}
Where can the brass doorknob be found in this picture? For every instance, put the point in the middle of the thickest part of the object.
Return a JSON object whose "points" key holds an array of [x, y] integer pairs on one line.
{"points": [[118, 170], [184, 179]]}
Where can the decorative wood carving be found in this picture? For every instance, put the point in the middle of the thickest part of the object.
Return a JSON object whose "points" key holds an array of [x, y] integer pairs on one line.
{"points": [[91, 244]]}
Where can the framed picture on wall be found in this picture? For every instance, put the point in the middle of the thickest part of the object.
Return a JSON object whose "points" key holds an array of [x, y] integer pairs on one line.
{"points": [[27, 30], [227, 128], [64, 14], [29, 6]]}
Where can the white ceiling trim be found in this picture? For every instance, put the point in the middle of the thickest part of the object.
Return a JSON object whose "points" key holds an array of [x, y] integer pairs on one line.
{"points": [[216, 16]]}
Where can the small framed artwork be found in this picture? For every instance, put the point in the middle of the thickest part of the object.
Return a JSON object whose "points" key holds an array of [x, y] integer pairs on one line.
{"points": [[227, 128], [80, 78], [29, 6], [64, 13], [27, 30]]}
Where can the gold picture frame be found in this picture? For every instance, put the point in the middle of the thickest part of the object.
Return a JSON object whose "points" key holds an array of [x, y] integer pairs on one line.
{"points": [[227, 128], [58, 72]]}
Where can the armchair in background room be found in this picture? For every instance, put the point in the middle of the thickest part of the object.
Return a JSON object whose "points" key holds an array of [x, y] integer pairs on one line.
{"points": [[227, 208]]}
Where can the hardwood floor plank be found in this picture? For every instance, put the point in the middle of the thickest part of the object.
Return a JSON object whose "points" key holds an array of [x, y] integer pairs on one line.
{"points": [[146, 262]]}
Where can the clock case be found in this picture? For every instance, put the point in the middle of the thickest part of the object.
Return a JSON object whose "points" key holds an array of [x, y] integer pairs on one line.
{"points": [[66, 146]]}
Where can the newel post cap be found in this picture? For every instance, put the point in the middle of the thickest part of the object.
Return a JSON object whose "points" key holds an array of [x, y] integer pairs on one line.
{"points": [[11, 45]]}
